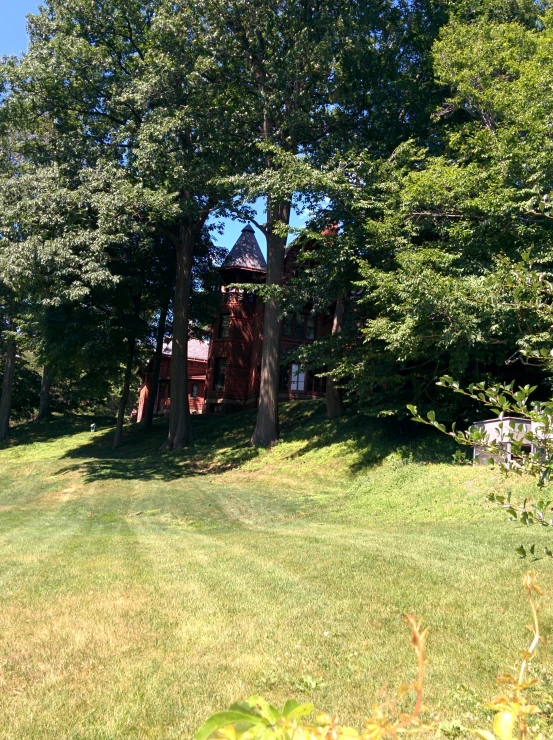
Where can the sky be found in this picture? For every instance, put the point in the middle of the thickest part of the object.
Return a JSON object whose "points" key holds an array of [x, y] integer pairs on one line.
{"points": [[13, 40], [13, 34]]}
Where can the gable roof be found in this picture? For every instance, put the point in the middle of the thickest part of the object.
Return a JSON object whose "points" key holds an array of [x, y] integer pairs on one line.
{"points": [[246, 252], [197, 350]]}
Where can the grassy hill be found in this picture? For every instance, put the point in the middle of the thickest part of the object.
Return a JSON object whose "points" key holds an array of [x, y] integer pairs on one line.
{"points": [[142, 590]]}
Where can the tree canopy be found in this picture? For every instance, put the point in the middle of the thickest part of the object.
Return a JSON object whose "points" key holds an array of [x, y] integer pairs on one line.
{"points": [[415, 133]]}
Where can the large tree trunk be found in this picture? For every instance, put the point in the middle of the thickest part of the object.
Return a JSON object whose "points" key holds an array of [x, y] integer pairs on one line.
{"points": [[44, 404], [7, 388], [266, 431], [118, 439], [334, 400], [180, 430], [156, 367]]}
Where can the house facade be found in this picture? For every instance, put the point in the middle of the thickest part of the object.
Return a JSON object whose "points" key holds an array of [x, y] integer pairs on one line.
{"points": [[197, 367], [229, 379]]}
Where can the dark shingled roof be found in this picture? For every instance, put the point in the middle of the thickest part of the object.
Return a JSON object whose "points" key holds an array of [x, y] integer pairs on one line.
{"points": [[246, 252]]}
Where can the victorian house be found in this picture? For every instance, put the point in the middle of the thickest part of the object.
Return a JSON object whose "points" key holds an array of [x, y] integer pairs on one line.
{"points": [[224, 373]]}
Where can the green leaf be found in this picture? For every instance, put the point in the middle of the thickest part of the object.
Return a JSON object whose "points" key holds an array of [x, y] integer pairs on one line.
{"points": [[485, 735], [294, 710], [504, 725], [289, 707], [266, 710], [222, 719]]}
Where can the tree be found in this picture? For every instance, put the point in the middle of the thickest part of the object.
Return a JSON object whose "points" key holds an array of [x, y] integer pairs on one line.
{"points": [[44, 403], [520, 448], [433, 221], [311, 76], [8, 374], [124, 92]]}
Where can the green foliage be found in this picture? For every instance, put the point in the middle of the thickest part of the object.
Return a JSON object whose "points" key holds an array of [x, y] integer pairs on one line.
{"points": [[26, 390], [430, 230]]}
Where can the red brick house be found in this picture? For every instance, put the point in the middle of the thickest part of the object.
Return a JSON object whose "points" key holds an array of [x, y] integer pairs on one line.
{"points": [[197, 366], [224, 374]]}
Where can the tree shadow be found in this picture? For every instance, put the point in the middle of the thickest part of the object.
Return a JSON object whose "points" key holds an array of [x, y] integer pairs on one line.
{"points": [[373, 439], [54, 427], [222, 444]]}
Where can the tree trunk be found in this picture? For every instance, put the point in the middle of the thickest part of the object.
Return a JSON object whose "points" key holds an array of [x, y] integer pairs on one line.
{"points": [[334, 400], [156, 367], [118, 439], [7, 388], [180, 430], [266, 431], [44, 404]]}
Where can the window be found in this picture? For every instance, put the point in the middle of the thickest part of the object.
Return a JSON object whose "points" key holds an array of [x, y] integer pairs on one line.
{"points": [[224, 326], [194, 393], [219, 375], [314, 383], [299, 326], [287, 329], [297, 381], [310, 327]]}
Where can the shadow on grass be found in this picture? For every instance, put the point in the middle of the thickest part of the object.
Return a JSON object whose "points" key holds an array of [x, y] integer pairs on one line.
{"points": [[48, 430], [221, 444]]}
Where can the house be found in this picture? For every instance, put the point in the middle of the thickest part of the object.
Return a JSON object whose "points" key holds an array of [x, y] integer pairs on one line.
{"points": [[224, 374], [234, 364], [197, 366]]}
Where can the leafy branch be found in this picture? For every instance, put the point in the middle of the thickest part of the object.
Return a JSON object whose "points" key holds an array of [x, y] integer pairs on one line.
{"points": [[523, 444]]}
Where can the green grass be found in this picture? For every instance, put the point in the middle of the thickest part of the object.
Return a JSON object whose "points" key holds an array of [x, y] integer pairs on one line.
{"points": [[140, 591]]}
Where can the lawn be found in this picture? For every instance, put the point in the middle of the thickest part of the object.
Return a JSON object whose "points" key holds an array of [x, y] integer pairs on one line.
{"points": [[141, 590]]}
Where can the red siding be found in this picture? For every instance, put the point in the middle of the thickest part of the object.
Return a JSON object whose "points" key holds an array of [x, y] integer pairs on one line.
{"points": [[196, 376]]}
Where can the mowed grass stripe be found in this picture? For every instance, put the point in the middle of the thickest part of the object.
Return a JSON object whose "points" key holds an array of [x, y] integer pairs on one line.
{"points": [[142, 591]]}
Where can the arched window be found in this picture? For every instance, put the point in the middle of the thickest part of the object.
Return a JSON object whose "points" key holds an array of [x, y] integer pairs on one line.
{"points": [[195, 390]]}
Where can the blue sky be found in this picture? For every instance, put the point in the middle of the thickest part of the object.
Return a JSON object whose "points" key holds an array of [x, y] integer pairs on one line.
{"points": [[13, 36], [13, 40]]}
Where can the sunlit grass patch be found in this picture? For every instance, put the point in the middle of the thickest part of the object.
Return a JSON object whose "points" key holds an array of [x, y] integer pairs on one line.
{"points": [[141, 590]]}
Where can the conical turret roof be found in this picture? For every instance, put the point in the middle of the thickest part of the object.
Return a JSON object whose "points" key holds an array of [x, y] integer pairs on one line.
{"points": [[246, 252]]}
